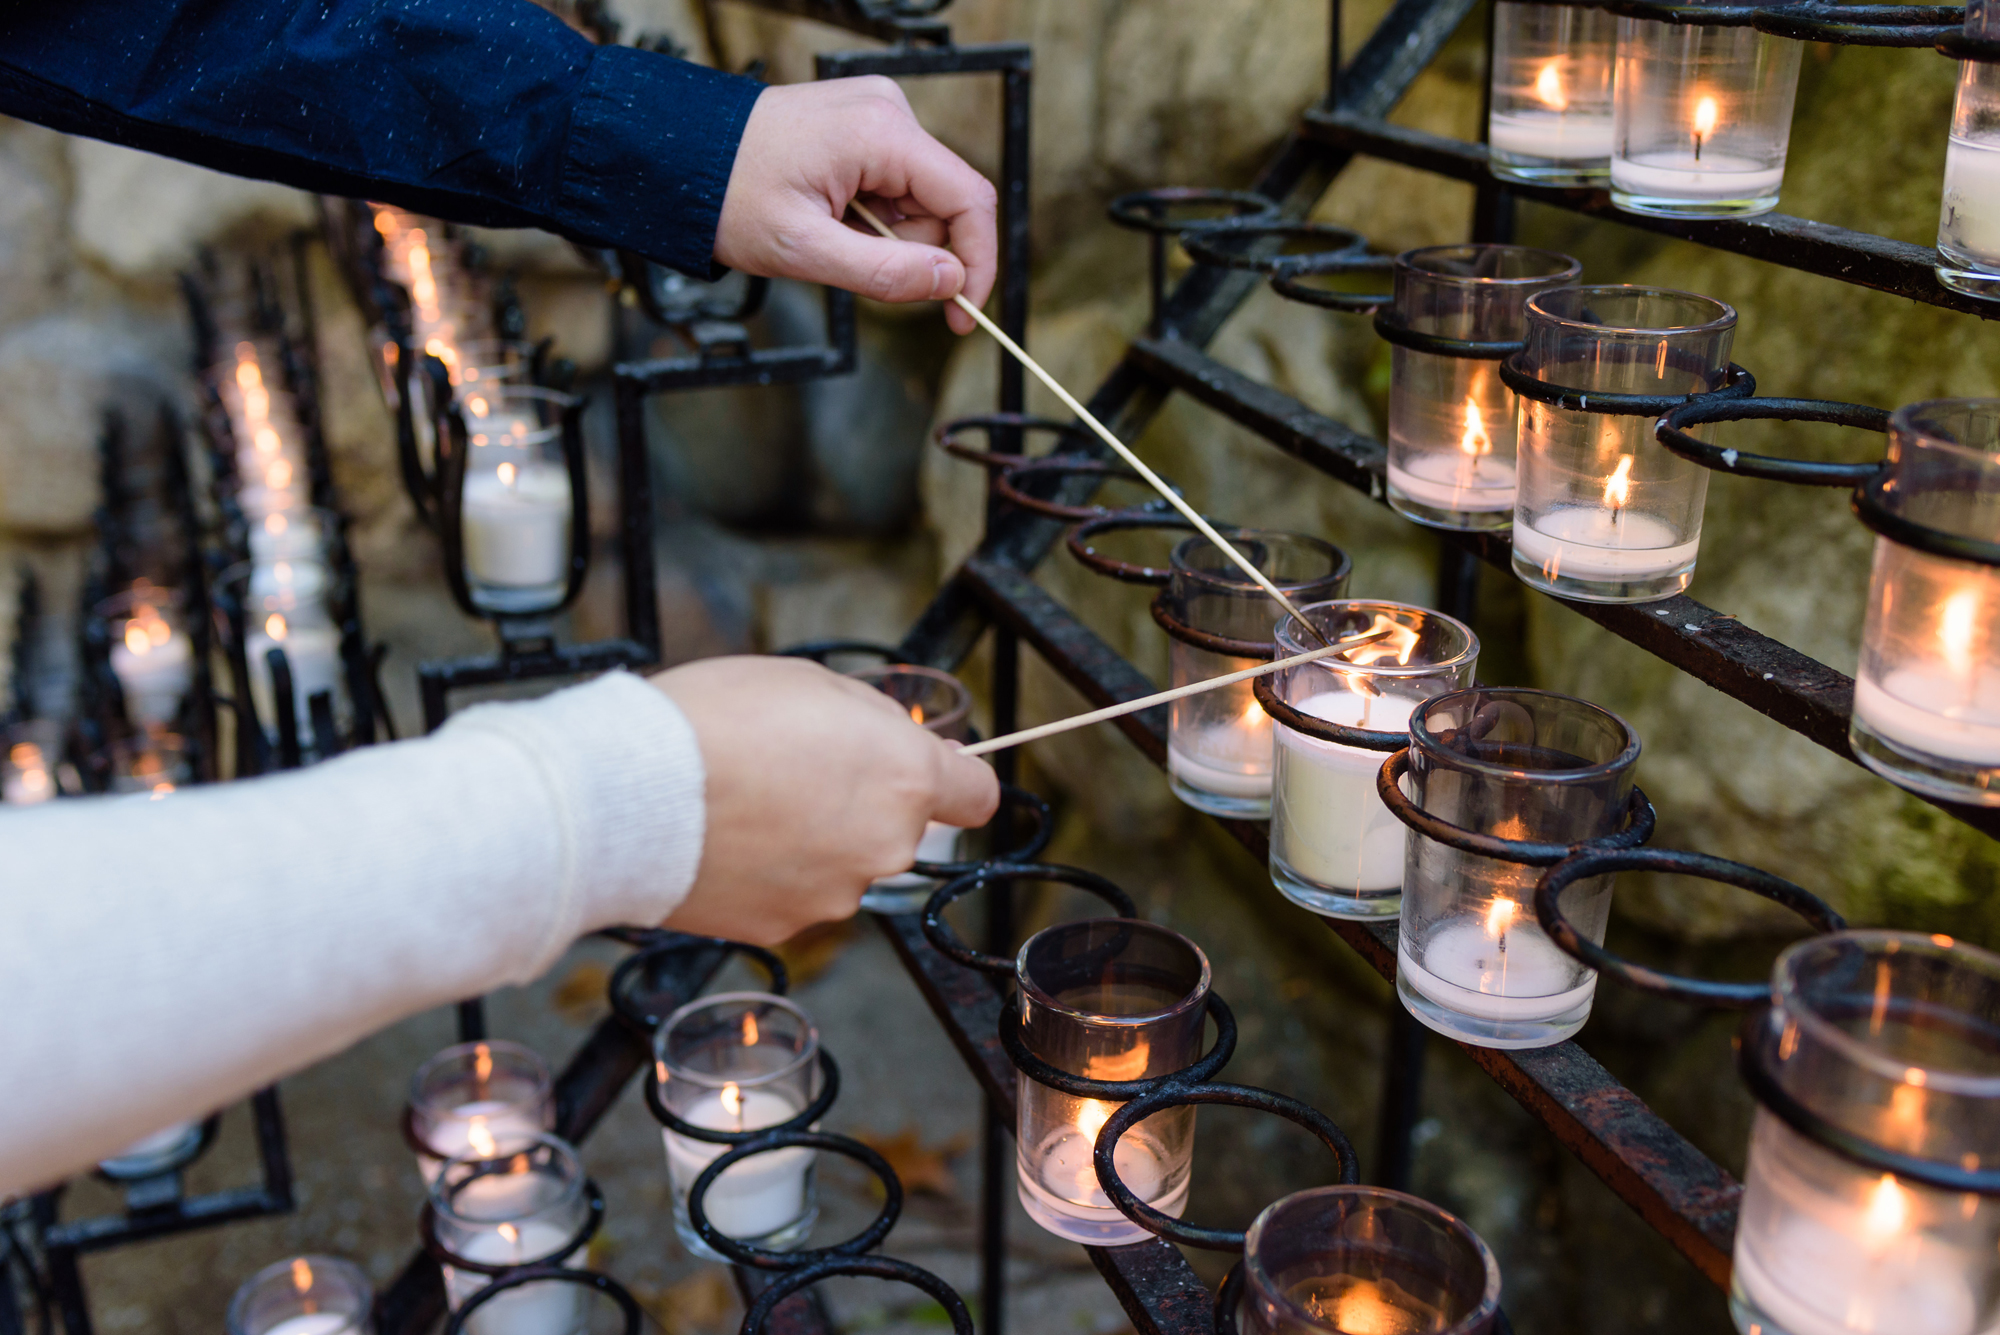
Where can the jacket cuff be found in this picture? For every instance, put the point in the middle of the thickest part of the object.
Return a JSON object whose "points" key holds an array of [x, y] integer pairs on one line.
{"points": [[623, 776], [651, 143]]}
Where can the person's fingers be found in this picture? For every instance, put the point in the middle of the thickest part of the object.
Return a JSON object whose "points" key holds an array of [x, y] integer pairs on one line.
{"points": [[881, 269], [968, 792], [943, 186]]}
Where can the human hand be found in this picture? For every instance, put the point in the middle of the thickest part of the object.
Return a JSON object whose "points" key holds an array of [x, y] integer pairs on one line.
{"points": [[816, 786], [810, 149]]}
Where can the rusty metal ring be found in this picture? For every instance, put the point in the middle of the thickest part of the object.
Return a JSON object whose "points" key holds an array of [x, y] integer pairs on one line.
{"points": [[1321, 729], [1006, 485], [1129, 572], [1169, 621], [946, 436], [1640, 819]]}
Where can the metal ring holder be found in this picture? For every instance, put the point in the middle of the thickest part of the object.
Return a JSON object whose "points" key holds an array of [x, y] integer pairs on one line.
{"points": [[1960, 47], [1011, 799], [211, 1126], [1861, 25], [1671, 431], [1737, 384], [1639, 822], [1169, 621], [1006, 485], [1201, 1068], [1906, 532], [1322, 729], [1391, 330], [938, 932], [420, 484], [451, 496], [636, 966], [947, 437], [443, 1255], [869, 1267], [1147, 211], [1286, 281], [628, 1306], [802, 1121], [767, 1141], [1698, 991], [1226, 244], [1130, 572]]}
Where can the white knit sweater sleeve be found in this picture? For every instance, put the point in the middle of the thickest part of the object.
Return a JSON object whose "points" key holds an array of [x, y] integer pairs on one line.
{"points": [[160, 959]]}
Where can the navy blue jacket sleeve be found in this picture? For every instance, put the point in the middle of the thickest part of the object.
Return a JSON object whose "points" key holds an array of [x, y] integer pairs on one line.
{"points": [[481, 111]]}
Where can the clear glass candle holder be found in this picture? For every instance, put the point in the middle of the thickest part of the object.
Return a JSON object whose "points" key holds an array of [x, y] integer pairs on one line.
{"points": [[150, 653], [1340, 1260], [1451, 421], [479, 1097], [1335, 849], [1219, 742], [740, 1061], [1888, 1037], [292, 616], [306, 1295], [1701, 118], [1927, 691], [516, 505], [28, 771], [943, 705], [289, 535], [519, 1208], [1969, 217], [1472, 962], [1549, 117], [1605, 513], [1106, 999]]}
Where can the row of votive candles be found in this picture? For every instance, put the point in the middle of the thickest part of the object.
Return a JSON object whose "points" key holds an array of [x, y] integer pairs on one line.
{"points": [[1695, 120]]}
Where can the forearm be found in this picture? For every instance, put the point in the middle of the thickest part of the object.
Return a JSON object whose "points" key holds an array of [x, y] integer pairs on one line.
{"points": [[163, 958], [480, 111]]}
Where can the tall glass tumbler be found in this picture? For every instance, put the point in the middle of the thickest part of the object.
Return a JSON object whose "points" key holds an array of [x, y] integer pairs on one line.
{"points": [[1927, 691], [1340, 1260], [740, 1061], [1106, 999], [1451, 421], [1335, 849], [1969, 216], [1604, 512], [1219, 742], [943, 705], [1702, 118], [1549, 116], [1890, 1038], [519, 1208], [515, 507], [1472, 961]]}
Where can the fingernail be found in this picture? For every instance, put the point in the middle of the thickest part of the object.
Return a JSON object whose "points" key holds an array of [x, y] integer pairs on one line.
{"points": [[941, 279]]}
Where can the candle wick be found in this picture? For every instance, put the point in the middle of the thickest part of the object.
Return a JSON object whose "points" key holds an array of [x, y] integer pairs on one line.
{"points": [[1697, 145]]}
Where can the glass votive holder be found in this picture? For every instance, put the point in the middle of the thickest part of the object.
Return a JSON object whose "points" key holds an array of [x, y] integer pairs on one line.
{"points": [[1106, 999], [479, 1097], [294, 535], [307, 1295], [1969, 217], [150, 653], [28, 770], [1549, 117], [516, 507], [1702, 117], [1219, 621], [1927, 690], [1886, 1038], [1472, 962], [1335, 849], [731, 1062], [1604, 513], [942, 704], [164, 1151], [304, 629], [1451, 421], [526, 1206], [1365, 1261]]}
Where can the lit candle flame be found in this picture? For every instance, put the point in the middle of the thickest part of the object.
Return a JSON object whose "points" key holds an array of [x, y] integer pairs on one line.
{"points": [[1706, 115], [1474, 441], [279, 475], [1362, 1310], [1888, 1210], [276, 523], [1500, 917], [1618, 488], [274, 626], [506, 472], [248, 374], [1549, 87], [482, 1063], [475, 404], [916, 713], [1958, 624], [267, 441], [512, 1234], [302, 1274], [135, 639], [1398, 643], [1091, 1117], [480, 1139], [749, 1029], [732, 1103]]}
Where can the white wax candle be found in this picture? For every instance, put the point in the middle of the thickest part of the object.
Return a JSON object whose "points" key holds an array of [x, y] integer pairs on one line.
{"points": [[1069, 1174], [1969, 219], [1453, 480], [314, 655], [286, 537], [516, 525], [1676, 174], [1820, 1273], [1326, 821], [758, 1196], [314, 1323], [938, 844], [533, 1309], [1935, 711], [1597, 543], [1566, 136], [1231, 758], [1516, 974], [155, 666], [486, 1127]]}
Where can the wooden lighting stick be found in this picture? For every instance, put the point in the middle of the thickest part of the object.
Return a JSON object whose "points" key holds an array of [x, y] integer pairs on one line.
{"points": [[1162, 697], [1158, 483]]}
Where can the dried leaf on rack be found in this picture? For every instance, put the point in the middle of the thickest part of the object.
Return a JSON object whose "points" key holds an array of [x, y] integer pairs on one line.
{"points": [[580, 998], [703, 1302], [921, 1168], [813, 951]]}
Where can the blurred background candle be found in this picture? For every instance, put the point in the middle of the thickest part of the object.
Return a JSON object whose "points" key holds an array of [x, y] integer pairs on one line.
{"points": [[306, 1295], [1451, 421], [740, 1061], [1969, 217], [312, 650], [25, 778], [1549, 121], [1219, 742], [1603, 512], [1471, 961], [1335, 849], [516, 503], [517, 1209], [943, 705], [1702, 118], [1927, 690], [1887, 1037], [153, 661], [482, 1097]]}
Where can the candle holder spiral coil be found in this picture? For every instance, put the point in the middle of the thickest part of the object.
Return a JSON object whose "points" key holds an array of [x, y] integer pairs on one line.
{"points": [[1135, 572], [635, 968], [1640, 819]]}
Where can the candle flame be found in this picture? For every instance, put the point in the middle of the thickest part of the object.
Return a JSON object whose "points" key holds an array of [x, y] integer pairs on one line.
{"points": [[1618, 489], [732, 1101], [302, 1274], [279, 475], [1707, 114], [506, 472], [147, 630], [475, 404], [248, 374], [1549, 86], [482, 1063], [274, 626], [267, 441], [509, 1232], [385, 223], [275, 523], [916, 713], [1958, 624], [480, 1139], [1475, 441], [1362, 1310], [1398, 643], [135, 639], [1500, 917], [749, 1029], [1888, 1210], [1091, 1117], [1127, 1065]]}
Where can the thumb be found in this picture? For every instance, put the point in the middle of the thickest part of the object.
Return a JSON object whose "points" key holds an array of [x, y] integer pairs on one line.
{"points": [[885, 270], [968, 792]]}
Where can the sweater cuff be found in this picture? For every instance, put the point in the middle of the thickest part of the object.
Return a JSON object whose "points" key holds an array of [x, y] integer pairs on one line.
{"points": [[651, 144], [624, 781]]}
